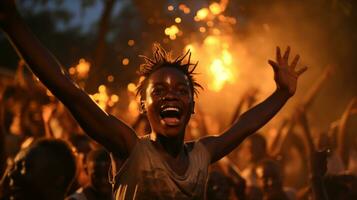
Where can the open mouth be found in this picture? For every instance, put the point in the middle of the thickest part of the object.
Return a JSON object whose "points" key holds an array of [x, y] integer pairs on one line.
{"points": [[170, 115]]}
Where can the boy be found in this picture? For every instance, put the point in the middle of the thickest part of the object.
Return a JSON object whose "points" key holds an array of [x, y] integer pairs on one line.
{"points": [[162, 165]]}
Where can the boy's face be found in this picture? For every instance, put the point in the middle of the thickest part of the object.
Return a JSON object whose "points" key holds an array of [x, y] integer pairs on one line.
{"points": [[168, 101]]}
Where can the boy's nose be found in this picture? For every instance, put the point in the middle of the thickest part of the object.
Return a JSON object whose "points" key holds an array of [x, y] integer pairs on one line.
{"points": [[170, 95]]}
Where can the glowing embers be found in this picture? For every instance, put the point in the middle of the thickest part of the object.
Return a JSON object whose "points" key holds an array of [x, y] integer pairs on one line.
{"points": [[81, 70], [213, 10], [125, 61], [103, 99], [201, 14], [172, 32]]}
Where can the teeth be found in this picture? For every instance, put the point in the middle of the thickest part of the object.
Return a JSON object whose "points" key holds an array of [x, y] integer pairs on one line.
{"points": [[171, 109]]}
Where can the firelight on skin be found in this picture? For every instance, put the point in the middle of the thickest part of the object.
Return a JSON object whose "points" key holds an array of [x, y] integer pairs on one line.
{"points": [[167, 98], [168, 102]]}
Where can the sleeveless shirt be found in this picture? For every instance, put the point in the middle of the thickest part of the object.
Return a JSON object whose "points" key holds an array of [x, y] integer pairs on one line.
{"points": [[146, 175]]}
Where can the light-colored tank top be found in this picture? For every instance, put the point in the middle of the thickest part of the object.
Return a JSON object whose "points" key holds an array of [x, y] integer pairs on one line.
{"points": [[145, 175]]}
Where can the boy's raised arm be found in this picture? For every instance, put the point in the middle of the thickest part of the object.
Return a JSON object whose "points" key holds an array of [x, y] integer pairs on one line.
{"points": [[286, 79], [113, 134]]}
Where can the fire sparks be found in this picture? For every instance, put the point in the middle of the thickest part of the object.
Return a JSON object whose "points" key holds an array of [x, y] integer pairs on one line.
{"points": [[133, 100], [81, 69], [110, 78], [103, 98], [131, 42], [131, 87], [214, 53], [202, 14], [172, 31], [178, 20], [215, 8], [170, 8], [184, 8], [125, 61]]}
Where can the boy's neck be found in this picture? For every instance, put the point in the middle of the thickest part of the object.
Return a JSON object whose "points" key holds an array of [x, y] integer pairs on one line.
{"points": [[171, 145]]}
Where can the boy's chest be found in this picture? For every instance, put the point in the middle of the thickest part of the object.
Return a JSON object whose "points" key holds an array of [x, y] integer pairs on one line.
{"points": [[178, 166]]}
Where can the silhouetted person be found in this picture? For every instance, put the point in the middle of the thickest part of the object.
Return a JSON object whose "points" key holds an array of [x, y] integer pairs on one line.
{"points": [[97, 167], [42, 171]]}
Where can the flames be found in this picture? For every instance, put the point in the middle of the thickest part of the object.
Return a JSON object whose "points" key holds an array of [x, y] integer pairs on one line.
{"points": [[218, 61], [214, 52]]}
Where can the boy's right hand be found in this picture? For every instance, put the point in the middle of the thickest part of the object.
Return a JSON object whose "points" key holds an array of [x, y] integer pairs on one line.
{"points": [[7, 11]]}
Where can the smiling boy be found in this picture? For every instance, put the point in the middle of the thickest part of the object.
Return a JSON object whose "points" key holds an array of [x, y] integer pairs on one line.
{"points": [[161, 165]]}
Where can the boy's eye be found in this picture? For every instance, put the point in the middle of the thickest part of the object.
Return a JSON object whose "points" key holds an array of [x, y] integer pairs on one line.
{"points": [[183, 91], [158, 91]]}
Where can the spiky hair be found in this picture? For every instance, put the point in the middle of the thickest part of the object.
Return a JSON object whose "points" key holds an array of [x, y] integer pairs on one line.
{"points": [[161, 59]]}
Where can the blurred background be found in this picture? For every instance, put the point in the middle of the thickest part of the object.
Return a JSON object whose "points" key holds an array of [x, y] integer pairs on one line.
{"points": [[98, 42]]}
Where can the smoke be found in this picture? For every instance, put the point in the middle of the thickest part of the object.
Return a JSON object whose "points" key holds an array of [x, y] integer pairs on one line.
{"points": [[318, 31]]}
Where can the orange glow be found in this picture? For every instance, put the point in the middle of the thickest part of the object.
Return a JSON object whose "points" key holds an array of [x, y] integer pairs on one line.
{"points": [[202, 13], [125, 61], [103, 99], [210, 24], [216, 31], [133, 108], [83, 68], [187, 11], [202, 29], [221, 74], [211, 40], [110, 78], [215, 53], [72, 71], [114, 98], [132, 87], [178, 20], [102, 89], [131, 42], [172, 31], [215, 8], [184, 8], [170, 8], [190, 47]]}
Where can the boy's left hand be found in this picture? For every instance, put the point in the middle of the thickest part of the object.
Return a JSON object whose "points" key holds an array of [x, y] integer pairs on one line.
{"points": [[284, 74]]}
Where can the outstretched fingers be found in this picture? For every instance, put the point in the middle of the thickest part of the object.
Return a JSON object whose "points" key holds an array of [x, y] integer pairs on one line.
{"points": [[295, 61], [274, 65], [286, 55], [301, 71]]}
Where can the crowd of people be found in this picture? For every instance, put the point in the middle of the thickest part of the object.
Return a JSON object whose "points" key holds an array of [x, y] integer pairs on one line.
{"points": [[56, 143], [43, 150]]}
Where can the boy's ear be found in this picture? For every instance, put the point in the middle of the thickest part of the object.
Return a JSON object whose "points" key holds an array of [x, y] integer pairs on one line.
{"points": [[193, 107], [142, 107]]}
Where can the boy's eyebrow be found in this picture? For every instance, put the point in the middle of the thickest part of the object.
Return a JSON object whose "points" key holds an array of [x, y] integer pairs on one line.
{"points": [[163, 83], [183, 84], [158, 83]]}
